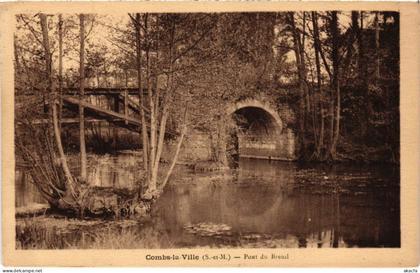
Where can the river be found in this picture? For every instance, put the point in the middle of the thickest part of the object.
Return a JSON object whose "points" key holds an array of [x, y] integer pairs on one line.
{"points": [[260, 204]]}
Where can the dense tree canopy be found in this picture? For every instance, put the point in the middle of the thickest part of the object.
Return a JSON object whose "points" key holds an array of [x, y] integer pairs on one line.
{"points": [[338, 70]]}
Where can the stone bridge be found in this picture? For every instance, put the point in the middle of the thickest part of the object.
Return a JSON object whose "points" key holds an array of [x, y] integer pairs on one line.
{"points": [[265, 132], [265, 129]]}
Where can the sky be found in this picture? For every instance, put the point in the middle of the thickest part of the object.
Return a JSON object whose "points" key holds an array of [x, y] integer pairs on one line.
{"points": [[101, 34]]}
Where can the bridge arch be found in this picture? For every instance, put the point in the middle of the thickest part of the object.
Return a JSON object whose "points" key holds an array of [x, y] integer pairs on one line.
{"points": [[262, 132], [256, 104]]}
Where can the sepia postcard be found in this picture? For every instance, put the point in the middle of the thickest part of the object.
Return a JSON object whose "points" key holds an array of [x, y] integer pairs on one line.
{"points": [[280, 134]]}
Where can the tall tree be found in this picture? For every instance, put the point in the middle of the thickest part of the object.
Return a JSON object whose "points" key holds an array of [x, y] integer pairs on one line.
{"points": [[317, 48], [60, 64], [83, 161], [142, 106], [161, 49], [377, 47], [335, 83], [69, 181], [300, 62]]}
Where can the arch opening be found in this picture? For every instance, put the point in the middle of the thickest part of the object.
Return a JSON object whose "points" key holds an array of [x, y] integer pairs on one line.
{"points": [[255, 133], [258, 133], [255, 122]]}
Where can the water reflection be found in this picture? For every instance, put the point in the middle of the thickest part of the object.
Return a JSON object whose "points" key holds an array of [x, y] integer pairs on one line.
{"points": [[25, 192], [120, 171], [264, 204], [264, 198]]}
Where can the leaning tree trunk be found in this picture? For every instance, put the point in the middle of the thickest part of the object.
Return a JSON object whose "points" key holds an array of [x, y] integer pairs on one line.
{"points": [[175, 158], [69, 180]]}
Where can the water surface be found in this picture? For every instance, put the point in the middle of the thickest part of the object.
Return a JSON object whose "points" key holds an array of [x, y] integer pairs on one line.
{"points": [[260, 204]]}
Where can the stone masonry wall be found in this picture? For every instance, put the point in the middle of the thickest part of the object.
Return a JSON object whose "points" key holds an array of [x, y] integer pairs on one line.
{"points": [[278, 147]]}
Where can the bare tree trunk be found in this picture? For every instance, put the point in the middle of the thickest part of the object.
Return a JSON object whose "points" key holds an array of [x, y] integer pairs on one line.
{"points": [[309, 92], [144, 134], [219, 141], [83, 163], [162, 130], [16, 56], [152, 140], [174, 160], [153, 92], [331, 115], [156, 100], [166, 105], [60, 66], [46, 92], [363, 74], [70, 183], [336, 81], [310, 107], [377, 45], [362, 58], [357, 30], [320, 143], [337, 121], [178, 148], [301, 74], [303, 64]]}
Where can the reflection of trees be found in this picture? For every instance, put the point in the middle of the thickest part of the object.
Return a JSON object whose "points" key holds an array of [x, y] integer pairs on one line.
{"points": [[25, 192], [368, 221]]}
